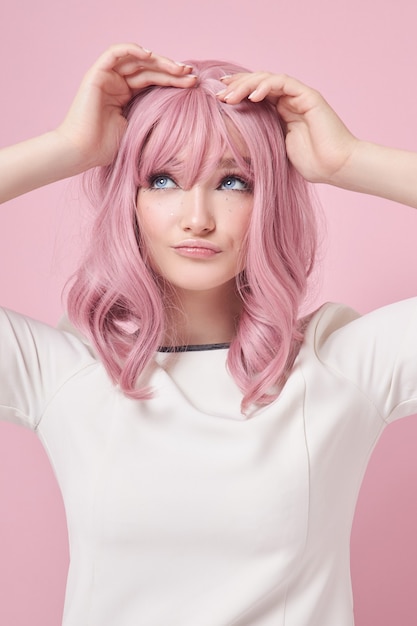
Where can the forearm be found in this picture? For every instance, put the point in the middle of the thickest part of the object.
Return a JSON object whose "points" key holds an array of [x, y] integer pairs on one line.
{"points": [[380, 171], [34, 163]]}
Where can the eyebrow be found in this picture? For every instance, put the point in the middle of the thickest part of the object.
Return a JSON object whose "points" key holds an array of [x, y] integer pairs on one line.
{"points": [[232, 163]]}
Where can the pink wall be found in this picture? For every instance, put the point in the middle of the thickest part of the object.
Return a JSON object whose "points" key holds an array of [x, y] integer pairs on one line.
{"points": [[361, 54]]}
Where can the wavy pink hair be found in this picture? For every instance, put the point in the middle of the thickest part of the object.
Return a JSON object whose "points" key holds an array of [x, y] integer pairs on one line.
{"points": [[117, 301]]}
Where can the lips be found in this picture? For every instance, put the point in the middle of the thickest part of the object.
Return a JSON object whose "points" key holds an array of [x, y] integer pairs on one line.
{"points": [[197, 248], [197, 243]]}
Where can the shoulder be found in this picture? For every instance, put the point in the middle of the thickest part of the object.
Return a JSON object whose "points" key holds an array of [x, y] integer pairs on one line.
{"points": [[25, 334], [36, 360], [376, 352], [337, 326], [37, 355]]}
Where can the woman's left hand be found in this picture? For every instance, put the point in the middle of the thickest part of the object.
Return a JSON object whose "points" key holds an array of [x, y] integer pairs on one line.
{"points": [[318, 143]]}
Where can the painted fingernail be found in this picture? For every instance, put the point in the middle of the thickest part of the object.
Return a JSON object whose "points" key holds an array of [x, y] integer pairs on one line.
{"points": [[229, 95], [225, 76], [219, 94], [146, 50], [252, 95]]}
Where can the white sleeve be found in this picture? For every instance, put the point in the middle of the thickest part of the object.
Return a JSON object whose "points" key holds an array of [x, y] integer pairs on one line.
{"points": [[376, 352], [35, 361]]}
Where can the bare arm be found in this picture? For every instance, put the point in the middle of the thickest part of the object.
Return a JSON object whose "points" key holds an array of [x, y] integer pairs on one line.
{"points": [[34, 163], [91, 132], [381, 171], [319, 144]]}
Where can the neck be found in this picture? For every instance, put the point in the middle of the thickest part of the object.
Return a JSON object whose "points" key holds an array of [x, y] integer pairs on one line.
{"points": [[203, 317]]}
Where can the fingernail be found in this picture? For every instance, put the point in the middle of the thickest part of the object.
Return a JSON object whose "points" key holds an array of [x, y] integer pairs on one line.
{"points": [[229, 95], [225, 76], [251, 95], [146, 50], [220, 93]]}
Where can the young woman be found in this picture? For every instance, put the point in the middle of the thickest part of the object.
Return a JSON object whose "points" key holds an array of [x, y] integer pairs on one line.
{"points": [[208, 442]]}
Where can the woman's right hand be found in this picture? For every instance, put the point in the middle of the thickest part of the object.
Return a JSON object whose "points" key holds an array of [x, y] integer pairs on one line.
{"points": [[95, 124], [91, 132]]}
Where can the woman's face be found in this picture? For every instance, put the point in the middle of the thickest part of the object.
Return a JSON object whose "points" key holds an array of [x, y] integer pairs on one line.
{"points": [[195, 236]]}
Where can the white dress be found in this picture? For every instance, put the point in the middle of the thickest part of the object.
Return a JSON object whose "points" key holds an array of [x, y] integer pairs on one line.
{"points": [[183, 512]]}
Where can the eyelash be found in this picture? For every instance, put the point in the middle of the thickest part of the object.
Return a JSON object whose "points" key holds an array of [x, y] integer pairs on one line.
{"points": [[247, 185], [154, 177]]}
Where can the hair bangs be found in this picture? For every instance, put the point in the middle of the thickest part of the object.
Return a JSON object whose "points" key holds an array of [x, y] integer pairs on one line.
{"points": [[190, 139]]}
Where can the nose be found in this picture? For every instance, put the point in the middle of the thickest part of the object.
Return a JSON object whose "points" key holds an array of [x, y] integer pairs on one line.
{"points": [[197, 217]]}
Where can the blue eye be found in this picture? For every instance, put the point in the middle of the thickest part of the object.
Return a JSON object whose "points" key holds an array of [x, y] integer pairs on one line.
{"points": [[162, 182], [235, 183]]}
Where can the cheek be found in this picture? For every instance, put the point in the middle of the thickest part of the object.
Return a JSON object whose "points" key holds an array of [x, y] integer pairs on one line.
{"points": [[240, 218], [154, 218], [242, 226]]}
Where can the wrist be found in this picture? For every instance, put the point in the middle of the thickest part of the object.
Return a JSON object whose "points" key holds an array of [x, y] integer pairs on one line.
{"points": [[346, 175], [70, 160]]}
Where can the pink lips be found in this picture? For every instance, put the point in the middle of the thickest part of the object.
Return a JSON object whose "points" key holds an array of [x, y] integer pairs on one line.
{"points": [[196, 248]]}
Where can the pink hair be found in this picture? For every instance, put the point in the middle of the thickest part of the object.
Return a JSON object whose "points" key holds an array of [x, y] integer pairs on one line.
{"points": [[117, 301]]}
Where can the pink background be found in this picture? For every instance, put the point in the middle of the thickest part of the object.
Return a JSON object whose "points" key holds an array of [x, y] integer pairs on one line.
{"points": [[362, 55]]}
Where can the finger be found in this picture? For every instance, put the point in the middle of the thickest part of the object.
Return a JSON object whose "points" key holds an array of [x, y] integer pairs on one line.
{"points": [[241, 86], [130, 65], [228, 78], [259, 86], [127, 58], [115, 54], [145, 78], [256, 87]]}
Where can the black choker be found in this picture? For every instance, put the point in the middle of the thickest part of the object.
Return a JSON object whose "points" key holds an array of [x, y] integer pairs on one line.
{"points": [[194, 348]]}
